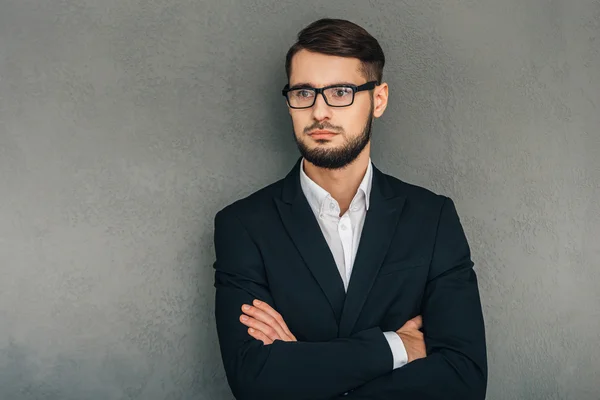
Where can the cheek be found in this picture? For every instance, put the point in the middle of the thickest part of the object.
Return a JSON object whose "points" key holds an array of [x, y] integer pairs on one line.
{"points": [[359, 120], [351, 122], [299, 122]]}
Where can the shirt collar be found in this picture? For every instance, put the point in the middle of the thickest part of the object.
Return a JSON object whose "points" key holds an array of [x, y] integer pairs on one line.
{"points": [[317, 196]]}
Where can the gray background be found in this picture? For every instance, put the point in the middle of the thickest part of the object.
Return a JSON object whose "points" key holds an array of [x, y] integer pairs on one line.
{"points": [[126, 124]]}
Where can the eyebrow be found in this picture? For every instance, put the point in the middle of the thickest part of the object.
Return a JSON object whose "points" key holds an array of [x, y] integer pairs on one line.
{"points": [[306, 85]]}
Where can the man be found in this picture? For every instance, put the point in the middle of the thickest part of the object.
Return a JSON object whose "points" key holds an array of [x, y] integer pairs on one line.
{"points": [[340, 280]]}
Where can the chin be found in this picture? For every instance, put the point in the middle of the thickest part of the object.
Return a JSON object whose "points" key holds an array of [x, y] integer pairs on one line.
{"points": [[322, 140]]}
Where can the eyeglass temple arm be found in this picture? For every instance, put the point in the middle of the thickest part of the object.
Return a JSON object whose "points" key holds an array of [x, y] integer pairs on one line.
{"points": [[366, 86]]}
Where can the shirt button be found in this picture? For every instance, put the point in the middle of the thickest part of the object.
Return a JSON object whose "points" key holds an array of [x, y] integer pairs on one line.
{"points": [[343, 227], [331, 206]]}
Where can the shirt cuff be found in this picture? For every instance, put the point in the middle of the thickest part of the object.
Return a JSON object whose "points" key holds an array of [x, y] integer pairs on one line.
{"points": [[398, 349]]}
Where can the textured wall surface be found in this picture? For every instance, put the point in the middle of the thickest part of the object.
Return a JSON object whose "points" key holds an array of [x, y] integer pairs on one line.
{"points": [[126, 124]]}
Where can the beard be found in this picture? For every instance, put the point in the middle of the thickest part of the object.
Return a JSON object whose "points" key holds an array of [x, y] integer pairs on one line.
{"points": [[337, 158]]}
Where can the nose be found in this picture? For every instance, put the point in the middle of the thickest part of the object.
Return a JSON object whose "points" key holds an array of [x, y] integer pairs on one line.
{"points": [[320, 109]]}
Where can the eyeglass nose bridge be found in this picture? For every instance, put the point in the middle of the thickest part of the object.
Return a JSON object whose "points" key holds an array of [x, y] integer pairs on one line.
{"points": [[320, 91]]}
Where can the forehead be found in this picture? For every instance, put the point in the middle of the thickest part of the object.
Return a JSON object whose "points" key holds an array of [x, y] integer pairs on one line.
{"points": [[321, 70]]}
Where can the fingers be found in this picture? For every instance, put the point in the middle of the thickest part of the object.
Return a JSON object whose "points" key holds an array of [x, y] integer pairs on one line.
{"points": [[267, 320], [259, 336], [275, 315], [275, 331], [260, 326]]}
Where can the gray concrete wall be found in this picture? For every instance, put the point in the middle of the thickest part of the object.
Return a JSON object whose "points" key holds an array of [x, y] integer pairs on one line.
{"points": [[126, 124]]}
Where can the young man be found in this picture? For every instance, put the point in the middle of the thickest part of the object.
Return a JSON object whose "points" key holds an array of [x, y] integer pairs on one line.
{"points": [[340, 280]]}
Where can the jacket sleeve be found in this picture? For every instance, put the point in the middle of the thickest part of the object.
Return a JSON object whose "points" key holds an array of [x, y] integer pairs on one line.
{"points": [[282, 370], [453, 327]]}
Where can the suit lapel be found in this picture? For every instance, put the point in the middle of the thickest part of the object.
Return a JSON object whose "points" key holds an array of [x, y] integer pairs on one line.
{"points": [[302, 226], [379, 227]]}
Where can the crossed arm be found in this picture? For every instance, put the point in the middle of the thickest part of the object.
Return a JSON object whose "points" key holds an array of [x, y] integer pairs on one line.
{"points": [[455, 366], [267, 325]]}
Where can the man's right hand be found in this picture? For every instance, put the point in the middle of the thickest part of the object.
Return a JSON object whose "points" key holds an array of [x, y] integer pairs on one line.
{"points": [[413, 339]]}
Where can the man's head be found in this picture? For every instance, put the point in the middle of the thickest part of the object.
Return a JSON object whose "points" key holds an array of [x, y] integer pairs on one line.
{"points": [[334, 52]]}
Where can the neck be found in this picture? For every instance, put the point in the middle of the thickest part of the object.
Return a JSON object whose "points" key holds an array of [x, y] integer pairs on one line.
{"points": [[341, 183]]}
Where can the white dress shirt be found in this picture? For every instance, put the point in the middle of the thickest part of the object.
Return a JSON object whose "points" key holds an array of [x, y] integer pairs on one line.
{"points": [[343, 235]]}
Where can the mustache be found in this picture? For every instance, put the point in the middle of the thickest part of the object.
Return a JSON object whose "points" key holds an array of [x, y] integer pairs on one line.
{"points": [[323, 126]]}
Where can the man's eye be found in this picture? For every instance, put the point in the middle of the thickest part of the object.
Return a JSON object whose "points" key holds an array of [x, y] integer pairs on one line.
{"points": [[341, 92], [303, 93]]}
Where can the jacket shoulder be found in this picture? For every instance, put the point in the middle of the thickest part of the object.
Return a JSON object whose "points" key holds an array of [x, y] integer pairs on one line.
{"points": [[257, 203], [418, 198]]}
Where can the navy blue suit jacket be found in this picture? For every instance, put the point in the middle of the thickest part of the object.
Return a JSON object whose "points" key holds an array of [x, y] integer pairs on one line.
{"points": [[413, 258]]}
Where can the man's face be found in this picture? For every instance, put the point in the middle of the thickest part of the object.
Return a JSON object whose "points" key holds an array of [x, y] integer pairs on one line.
{"points": [[350, 126]]}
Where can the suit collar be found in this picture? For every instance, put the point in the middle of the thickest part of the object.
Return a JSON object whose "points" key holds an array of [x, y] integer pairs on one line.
{"points": [[292, 188]]}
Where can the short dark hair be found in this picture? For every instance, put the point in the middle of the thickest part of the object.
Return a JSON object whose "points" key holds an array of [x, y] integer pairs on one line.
{"points": [[338, 37]]}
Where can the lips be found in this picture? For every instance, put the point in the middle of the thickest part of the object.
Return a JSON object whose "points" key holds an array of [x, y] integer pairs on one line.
{"points": [[321, 133]]}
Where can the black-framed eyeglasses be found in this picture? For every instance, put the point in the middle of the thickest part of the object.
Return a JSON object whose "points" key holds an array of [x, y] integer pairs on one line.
{"points": [[334, 95]]}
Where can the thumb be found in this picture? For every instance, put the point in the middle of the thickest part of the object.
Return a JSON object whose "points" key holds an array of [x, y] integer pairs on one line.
{"points": [[415, 323]]}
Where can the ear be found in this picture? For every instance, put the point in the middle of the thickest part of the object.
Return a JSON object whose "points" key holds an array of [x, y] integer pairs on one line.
{"points": [[380, 97]]}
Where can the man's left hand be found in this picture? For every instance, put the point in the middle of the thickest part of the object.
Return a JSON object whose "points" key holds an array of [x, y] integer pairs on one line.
{"points": [[264, 323]]}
